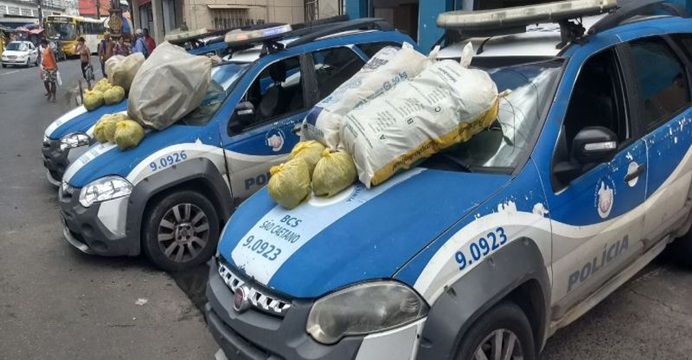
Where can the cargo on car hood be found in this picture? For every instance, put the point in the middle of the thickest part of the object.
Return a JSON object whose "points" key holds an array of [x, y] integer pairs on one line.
{"points": [[162, 148], [358, 235], [80, 120]]}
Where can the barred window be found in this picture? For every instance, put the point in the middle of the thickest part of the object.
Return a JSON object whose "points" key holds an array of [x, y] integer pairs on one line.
{"points": [[13, 10], [231, 18]]}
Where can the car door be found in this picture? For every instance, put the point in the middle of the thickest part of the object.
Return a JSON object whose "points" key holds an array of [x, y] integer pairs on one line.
{"points": [[596, 217], [280, 98], [662, 78]]}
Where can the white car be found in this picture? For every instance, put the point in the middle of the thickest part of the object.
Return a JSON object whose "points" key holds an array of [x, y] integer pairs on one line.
{"points": [[20, 53]]}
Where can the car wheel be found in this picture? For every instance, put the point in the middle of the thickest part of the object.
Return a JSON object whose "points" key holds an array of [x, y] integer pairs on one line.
{"points": [[27, 63], [180, 230], [503, 332], [682, 249], [4, 66]]}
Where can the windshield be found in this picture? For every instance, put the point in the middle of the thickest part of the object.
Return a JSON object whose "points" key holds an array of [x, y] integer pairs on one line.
{"points": [[16, 46], [60, 31], [506, 141], [223, 79]]}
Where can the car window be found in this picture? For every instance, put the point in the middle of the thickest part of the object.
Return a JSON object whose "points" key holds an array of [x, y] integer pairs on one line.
{"points": [[662, 80], [333, 67], [277, 91], [509, 139], [223, 80], [372, 48], [685, 42]]}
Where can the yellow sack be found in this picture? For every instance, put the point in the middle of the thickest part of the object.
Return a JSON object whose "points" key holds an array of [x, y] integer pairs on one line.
{"points": [[290, 183], [102, 85], [128, 134], [105, 125], [114, 95], [310, 151], [334, 172], [93, 99]]}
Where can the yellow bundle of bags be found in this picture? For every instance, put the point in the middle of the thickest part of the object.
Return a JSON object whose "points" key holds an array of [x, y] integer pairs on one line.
{"points": [[103, 93], [311, 166], [119, 129]]}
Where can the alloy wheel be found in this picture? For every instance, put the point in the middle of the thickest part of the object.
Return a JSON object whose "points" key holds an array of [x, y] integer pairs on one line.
{"points": [[501, 344], [183, 232]]}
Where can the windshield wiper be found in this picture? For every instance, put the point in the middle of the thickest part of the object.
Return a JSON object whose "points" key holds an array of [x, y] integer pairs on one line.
{"points": [[455, 161]]}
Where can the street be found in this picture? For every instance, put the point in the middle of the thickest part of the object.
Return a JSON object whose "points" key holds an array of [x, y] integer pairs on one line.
{"points": [[57, 303]]}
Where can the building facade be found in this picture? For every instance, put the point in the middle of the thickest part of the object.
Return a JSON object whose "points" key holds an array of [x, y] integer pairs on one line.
{"points": [[418, 18], [29, 8], [163, 16]]}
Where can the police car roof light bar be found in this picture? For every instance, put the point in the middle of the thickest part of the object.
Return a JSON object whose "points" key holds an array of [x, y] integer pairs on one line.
{"points": [[484, 21], [357, 24], [242, 37]]}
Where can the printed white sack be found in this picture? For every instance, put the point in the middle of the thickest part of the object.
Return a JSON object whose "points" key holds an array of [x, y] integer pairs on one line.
{"points": [[170, 84], [382, 73], [444, 105]]}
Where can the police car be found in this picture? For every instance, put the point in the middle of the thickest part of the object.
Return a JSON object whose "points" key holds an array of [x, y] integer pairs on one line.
{"points": [[169, 196], [485, 250], [69, 136]]}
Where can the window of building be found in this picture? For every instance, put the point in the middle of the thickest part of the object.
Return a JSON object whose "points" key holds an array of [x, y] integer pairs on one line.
{"points": [[662, 80], [230, 18], [13, 10]]}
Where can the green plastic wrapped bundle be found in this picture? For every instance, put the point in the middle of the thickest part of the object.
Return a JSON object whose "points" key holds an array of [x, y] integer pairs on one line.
{"points": [[93, 100], [290, 183], [114, 95], [310, 151], [334, 172], [128, 134]]}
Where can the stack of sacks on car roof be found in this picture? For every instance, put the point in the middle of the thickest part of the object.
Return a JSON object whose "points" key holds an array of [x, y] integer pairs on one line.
{"points": [[401, 108]]}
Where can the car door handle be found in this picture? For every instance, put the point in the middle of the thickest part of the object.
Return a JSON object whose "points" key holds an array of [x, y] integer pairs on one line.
{"points": [[636, 173]]}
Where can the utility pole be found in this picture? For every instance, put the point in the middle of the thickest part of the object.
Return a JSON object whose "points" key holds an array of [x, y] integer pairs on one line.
{"points": [[40, 13], [98, 8]]}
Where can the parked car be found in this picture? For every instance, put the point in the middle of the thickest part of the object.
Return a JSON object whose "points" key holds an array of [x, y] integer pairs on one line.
{"points": [[169, 196], [17, 53], [486, 249]]}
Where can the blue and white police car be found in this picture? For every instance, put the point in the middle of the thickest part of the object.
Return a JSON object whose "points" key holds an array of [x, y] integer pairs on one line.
{"points": [[69, 136], [169, 196], [485, 250]]}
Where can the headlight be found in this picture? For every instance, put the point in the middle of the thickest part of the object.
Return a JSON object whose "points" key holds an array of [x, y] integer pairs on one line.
{"points": [[364, 309], [74, 140], [106, 188]]}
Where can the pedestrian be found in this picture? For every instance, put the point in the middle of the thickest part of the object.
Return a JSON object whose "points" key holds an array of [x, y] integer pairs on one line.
{"points": [[49, 67], [149, 41], [85, 61], [121, 47], [140, 44], [105, 51]]}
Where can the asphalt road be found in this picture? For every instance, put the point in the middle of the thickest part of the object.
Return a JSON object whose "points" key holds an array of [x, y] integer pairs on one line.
{"points": [[56, 303]]}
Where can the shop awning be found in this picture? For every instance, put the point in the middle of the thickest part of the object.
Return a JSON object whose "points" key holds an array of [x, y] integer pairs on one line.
{"points": [[227, 7]]}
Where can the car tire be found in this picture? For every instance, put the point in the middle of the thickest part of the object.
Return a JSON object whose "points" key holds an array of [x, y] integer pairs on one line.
{"points": [[27, 63], [505, 322], [4, 66], [682, 250], [180, 230]]}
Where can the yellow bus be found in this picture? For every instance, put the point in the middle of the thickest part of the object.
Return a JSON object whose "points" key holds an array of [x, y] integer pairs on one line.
{"points": [[65, 30]]}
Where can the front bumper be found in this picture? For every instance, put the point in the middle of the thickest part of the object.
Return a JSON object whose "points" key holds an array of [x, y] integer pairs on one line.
{"points": [[98, 229], [56, 161], [14, 61], [254, 334]]}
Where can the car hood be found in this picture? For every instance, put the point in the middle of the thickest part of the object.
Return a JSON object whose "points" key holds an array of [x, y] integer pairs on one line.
{"points": [[358, 235], [15, 52], [106, 159], [80, 120]]}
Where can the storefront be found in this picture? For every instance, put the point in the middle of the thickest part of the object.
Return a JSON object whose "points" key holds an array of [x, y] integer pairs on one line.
{"points": [[418, 18]]}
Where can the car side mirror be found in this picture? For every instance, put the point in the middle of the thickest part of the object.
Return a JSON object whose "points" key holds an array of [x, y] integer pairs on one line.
{"points": [[243, 115], [594, 144], [591, 145]]}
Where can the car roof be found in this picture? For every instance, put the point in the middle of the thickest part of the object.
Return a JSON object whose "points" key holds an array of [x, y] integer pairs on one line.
{"points": [[539, 41], [252, 54], [543, 41]]}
